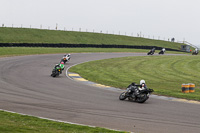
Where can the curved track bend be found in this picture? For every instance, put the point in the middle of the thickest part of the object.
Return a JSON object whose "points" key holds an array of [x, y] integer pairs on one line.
{"points": [[27, 87]]}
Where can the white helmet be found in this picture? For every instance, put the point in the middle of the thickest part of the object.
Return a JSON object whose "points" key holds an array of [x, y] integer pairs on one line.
{"points": [[142, 82]]}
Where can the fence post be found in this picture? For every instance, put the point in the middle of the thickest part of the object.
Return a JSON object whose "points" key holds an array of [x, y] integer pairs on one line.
{"points": [[56, 26]]}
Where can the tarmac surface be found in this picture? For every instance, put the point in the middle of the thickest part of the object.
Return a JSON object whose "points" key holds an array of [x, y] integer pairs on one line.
{"points": [[27, 87]]}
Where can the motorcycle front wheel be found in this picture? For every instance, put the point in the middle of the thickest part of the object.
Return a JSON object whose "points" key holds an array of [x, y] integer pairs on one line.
{"points": [[53, 74], [142, 98], [122, 96]]}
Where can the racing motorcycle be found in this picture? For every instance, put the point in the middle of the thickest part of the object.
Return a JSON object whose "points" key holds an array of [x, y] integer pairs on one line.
{"points": [[139, 94], [162, 51], [151, 52], [195, 52], [56, 71], [65, 59]]}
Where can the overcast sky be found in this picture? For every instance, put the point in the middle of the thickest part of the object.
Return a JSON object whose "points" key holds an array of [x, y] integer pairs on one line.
{"points": [[161, 19]]}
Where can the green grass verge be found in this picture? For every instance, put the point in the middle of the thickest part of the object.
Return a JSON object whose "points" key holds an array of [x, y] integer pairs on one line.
{"points": [[164, 74], [15, 123], [16, 51], [25, 35]]}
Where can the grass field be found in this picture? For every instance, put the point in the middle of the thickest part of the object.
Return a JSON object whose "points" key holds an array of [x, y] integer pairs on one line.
{"points": [[164, 74], [22, 35], [15, 123]]}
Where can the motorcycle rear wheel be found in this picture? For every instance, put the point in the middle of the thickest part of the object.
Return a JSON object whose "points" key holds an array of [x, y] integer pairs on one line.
{"points": [[142, 98]]}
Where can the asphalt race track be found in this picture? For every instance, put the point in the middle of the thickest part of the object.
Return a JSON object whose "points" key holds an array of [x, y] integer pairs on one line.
{"points": [[27, 87]]}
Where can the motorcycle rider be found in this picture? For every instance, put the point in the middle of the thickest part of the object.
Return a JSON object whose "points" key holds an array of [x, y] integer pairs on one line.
{"points": [[57, 66], [64, 58], [133, 88], [67, 56], [62, 66], [163, 49], [196, 50], [151, 51], [142, 85]]}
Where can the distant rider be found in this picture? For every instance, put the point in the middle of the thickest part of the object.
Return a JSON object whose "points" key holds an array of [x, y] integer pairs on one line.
{"points": [[153, 50], [67, 57], [163, 49], [196, 50]]}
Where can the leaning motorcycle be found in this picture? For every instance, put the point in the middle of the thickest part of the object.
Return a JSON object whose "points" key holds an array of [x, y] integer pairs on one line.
{"points": [[161, 52], [141, 96], [151, 52], [195, 53], [56, 71], [65, 59]]}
